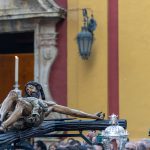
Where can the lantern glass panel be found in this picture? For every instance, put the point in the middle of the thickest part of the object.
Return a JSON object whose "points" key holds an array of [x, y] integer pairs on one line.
{"points": [[85, 46], [90, 46]]}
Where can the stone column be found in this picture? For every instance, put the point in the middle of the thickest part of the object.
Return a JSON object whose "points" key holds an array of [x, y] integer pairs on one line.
{"points": [[47, 55]]}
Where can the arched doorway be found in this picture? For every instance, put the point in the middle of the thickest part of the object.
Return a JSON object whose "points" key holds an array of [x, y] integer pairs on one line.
{"points": [[22, 45]]}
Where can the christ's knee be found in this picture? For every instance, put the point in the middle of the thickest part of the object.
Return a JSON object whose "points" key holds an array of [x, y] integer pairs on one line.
{"points": [[13, 95]]}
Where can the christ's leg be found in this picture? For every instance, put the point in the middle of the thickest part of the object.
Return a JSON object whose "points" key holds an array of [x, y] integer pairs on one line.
{"points": [[21, 107], [7, 104]]}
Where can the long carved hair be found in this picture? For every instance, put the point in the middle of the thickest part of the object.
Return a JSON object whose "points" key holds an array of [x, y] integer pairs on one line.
{"points": [[37, 94]]}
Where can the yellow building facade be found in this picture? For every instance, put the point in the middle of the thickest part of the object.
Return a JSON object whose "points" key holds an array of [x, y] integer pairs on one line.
{"points": [[88, 83], [87, 79]]}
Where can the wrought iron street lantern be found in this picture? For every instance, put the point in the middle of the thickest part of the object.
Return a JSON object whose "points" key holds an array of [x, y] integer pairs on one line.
{"points": [[85, 37], [114, 134]]}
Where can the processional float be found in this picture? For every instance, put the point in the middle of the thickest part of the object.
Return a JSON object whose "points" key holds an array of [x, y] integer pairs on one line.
{"points": [[109, 129]]}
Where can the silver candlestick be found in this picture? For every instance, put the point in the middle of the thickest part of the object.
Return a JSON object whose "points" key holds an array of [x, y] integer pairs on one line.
{"points": [[16, 89]]}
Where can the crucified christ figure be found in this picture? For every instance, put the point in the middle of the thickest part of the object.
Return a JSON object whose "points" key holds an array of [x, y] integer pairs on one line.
{"points": [[30, 110]]}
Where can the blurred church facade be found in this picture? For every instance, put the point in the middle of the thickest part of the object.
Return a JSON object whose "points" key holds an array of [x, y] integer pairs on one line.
{"points": [[115, 78]]}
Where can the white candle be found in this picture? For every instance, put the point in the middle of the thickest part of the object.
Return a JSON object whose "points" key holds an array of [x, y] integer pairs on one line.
{"points": [[16, 69]]}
